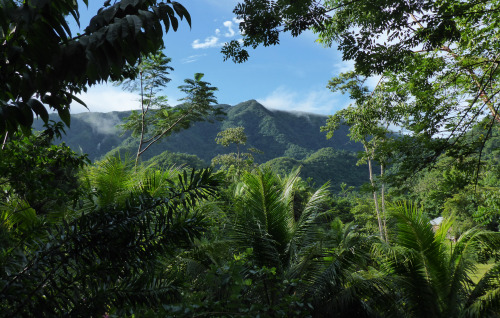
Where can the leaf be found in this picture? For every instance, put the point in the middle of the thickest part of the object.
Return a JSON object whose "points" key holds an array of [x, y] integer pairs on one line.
{"points": [[182, 12], [79, 101], [95, 24], [26, 117], [75, 14], [39, 109], [167, 13], [12, 116], [166, 22], [175, 22], [198, 76], [65, 115], [62, 28], [134, 23], [114, 33], [125, 3], [109, 13]]}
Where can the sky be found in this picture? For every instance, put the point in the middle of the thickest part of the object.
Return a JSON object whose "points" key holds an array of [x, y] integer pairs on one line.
{"points": [[291, 76]]}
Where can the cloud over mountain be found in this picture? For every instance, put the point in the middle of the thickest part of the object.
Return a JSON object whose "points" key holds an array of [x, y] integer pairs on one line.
{"points": [[320, 101]]}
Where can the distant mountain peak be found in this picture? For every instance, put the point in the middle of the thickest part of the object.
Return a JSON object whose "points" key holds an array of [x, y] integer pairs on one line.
{"points": [[250, 106]]}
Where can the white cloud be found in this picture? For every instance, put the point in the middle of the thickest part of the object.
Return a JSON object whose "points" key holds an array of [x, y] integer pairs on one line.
{"points": [[237, 21], [320, 101], [211, 41], [103, 124], [214, 40], [192, 58], [342, 67], [347, 66], [230, 32], [106, 98]]}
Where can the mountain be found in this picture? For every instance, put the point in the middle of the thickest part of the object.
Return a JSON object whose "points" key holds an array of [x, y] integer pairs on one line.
{"points": [[275, 133], [92, 133], [326, 164], [287, 140]]}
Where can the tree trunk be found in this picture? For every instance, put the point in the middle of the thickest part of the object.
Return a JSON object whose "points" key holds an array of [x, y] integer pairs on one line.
{"points": [[5, 139], [372, 183], [142, 125], [383, 202]]}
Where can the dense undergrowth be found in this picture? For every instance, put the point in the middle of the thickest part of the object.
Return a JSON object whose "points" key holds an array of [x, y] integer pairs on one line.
{"points": [[111, 239]]}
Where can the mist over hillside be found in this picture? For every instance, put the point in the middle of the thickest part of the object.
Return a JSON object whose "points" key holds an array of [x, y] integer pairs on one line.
{"points": [[287, 140], [276, 133]]}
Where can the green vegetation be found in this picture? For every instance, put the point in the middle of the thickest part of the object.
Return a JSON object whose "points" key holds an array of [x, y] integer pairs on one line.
{"points": [[157, 119], [238, 160], [325, 165], [118, 237], [272, 132], [39, 52], [171, 242], [167, 160]]}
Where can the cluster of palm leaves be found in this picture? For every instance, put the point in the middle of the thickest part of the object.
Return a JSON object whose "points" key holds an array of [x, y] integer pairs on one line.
{"points": [[432, 276], [280, 256], [153, 243], [284, 258], [107, 257]]}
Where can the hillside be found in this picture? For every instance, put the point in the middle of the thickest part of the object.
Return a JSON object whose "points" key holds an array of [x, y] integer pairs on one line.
{"points": [[276, 133], [92, 133], [326, 164], [287, 140]]}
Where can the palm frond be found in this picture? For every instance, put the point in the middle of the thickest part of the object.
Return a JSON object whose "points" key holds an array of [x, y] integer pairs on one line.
{"points": [[432, 270], [155, 181], [265, 221], [97, 253], [425, 264], [112, 179], [484, 299], [289, 184], [306, 224]]}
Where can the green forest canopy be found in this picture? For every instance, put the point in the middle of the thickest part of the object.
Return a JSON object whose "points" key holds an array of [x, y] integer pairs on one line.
{"points": [[105, 239]]}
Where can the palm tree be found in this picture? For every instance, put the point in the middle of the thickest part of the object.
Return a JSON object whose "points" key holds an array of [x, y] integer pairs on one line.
{"points": [[348, 285], [265, 218], [432, 275], [324, 266], [280, 243], [110, 180], [107, 258], [280, 252]]}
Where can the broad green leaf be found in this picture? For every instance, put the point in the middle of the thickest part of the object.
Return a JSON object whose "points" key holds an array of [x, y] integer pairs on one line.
{"points": [[26, 118], [65, 115], [114, 33], [134, 23], [39, 109], [78, 100], [182, 12]]}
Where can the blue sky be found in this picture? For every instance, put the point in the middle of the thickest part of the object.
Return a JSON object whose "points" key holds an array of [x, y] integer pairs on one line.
{"points": [[291, 76]]}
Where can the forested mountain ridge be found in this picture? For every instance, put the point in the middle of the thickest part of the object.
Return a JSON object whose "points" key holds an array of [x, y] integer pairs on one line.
{"points": [[275, 133]]}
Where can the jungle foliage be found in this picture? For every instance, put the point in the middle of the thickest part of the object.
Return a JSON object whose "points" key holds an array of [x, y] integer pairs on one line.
{"points": [[118, 238]]}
